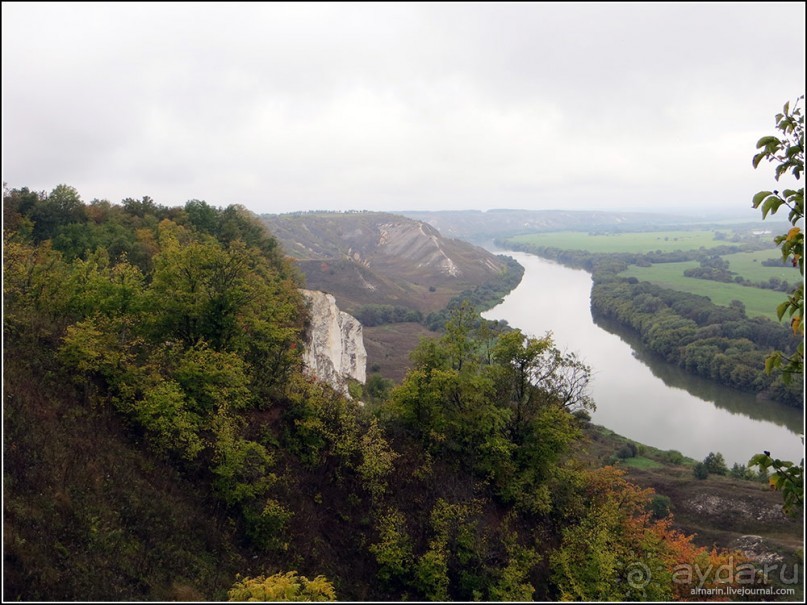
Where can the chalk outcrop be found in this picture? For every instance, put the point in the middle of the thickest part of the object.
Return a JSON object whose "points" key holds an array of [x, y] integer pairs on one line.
{"points": [[334, 349]]}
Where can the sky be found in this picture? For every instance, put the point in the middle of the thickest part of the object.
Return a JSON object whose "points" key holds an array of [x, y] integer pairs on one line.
{"points": [[399, 106]]}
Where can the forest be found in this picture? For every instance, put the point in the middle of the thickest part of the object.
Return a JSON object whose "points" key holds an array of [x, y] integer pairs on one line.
{"points": [[162, 442], [713, 341]]}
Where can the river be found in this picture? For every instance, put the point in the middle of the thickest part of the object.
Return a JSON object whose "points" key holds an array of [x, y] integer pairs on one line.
{"points": [[638, 395]]}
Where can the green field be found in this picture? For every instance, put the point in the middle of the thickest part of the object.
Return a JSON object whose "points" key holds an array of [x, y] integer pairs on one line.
{"points": [[671, 275], [641, 462], [749, 265], [757, 301], [650, 241]]}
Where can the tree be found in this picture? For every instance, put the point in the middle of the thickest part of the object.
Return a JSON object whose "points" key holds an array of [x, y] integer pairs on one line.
{"points": [[716, 464], [700, 470], [788, 153]]}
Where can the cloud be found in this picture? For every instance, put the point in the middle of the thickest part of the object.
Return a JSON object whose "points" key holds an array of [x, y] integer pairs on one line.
{"points": [[284, 106]]}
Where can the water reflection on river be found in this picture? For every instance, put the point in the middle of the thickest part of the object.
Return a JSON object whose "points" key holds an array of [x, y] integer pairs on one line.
{"points": [[638, 395]]}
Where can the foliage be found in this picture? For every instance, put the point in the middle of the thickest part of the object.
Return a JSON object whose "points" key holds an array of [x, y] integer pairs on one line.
{"points": [[513, 583], [393, 551], [627, 451], [377, 460], [700, 470], [659, 506], [788, 155], [504, 408], [703, 338], [176, 333], [376, 315], [287, 586], [715, 463], [740, 471], [644, 563], [787, 478], [481, 297]]}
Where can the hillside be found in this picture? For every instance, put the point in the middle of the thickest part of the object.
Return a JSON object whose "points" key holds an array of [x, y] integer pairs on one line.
{"points": [[378, 258], [162, 441], [395, 274], [479, 226]]}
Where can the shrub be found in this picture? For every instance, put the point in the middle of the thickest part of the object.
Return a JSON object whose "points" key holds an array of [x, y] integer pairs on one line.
{"points": [[673, 456], [740, 471], [716, 464], [700, 470], [659, 506], [627, 451]]}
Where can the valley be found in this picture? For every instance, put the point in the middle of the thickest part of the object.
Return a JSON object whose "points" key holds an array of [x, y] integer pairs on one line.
{"points": [[395, 274], [170, 432]]}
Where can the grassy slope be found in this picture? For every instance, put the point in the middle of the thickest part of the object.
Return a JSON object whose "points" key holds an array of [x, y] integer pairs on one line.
{"points": [[388, 347], [671, 275], [88, 515]]}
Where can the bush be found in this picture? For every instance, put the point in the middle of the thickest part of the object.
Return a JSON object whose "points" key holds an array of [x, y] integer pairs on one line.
{"points": [[673, 457], [740, 471], [700, 470], [659, 506], [716, 464], [627, 451]]}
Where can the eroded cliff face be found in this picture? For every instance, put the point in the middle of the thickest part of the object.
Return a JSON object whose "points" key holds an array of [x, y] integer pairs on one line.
{"points": [[334, 348]]}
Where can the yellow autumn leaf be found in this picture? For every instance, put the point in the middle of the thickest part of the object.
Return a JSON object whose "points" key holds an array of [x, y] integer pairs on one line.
{"points": [[795, 323], [793, 233]]}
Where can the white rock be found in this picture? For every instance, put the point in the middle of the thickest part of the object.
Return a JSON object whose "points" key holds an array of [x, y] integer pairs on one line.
{"points": [[334, 349]]}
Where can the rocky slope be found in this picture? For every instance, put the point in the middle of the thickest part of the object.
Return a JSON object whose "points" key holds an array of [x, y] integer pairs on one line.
{"points": [[378, 258], [334, 349]]}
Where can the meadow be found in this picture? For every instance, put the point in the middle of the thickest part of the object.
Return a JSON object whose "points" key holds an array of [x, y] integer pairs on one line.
{"points": [[757, 301], [749, 265], [671, 275]]}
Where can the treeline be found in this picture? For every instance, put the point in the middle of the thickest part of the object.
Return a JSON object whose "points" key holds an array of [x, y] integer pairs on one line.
{"points": [[716, 342], [481, 298], [708, 340], [376, 315], [715, 268], [174, 334]]}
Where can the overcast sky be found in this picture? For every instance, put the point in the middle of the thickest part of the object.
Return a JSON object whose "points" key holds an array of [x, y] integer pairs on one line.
{"points": [[388, 106]]}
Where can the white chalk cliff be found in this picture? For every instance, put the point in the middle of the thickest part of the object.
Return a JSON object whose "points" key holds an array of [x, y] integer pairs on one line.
{"points": [[334, 349]]}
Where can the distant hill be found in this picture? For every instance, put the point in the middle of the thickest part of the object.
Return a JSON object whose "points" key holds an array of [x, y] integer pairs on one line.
{"points": [[479, 226], [375, 258]]}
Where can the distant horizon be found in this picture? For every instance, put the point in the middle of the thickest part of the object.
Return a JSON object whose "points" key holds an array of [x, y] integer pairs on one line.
{"points": [[283, 106], [715, 212]]}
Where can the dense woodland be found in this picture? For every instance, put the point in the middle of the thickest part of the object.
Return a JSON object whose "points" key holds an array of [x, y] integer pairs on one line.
{"points": [[162, 442], [716, 342]]}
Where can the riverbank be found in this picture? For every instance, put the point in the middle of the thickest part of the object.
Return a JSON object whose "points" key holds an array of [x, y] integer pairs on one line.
{"points": [[720, 511], [655, 405]]}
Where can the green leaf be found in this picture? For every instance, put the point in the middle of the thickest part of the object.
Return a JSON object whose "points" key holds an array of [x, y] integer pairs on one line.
{"points": [[761, 196], [771, 205], [780, 313], [768, 140], [762, 460]]}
